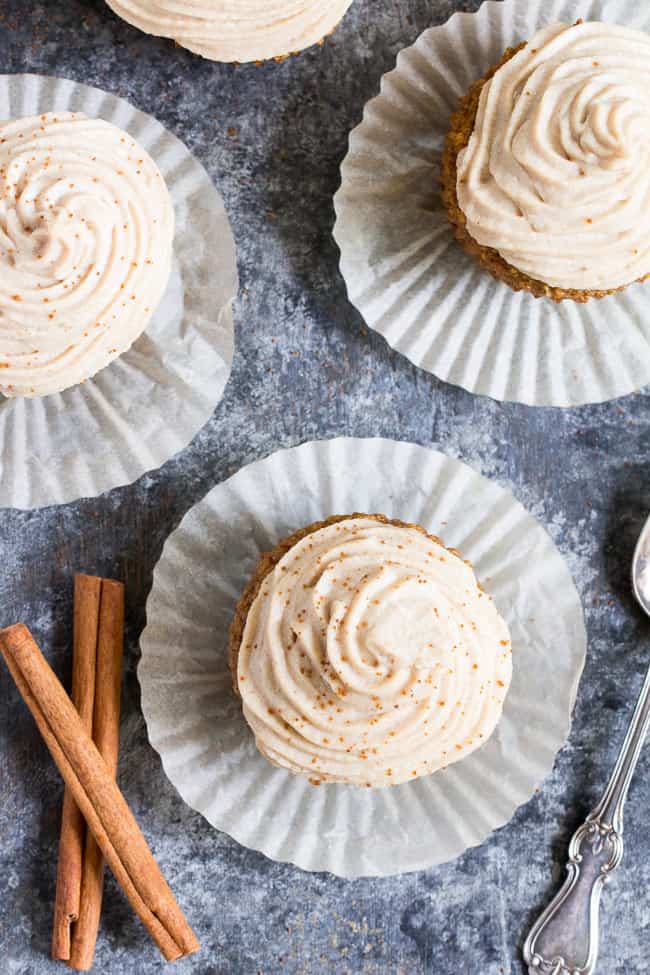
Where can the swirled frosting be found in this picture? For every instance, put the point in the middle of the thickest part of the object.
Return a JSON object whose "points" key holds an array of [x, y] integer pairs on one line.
{"points": [[236, 30], [371, 656], [556, 175], [86, 229]]}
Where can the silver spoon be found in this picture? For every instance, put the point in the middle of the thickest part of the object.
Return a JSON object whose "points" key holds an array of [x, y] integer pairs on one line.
{"points": [[564, 939]]}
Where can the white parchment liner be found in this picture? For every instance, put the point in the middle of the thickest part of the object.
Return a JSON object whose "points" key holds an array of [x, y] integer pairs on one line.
{"points": [[412, 281], [196, 724], [148, 404]]}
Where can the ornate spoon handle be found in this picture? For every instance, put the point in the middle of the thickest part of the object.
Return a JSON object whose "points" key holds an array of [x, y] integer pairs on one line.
{"points": [[564, 939]]}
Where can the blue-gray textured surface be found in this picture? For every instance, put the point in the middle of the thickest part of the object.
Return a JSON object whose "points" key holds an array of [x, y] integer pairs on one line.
{"points": [[272, 138]]}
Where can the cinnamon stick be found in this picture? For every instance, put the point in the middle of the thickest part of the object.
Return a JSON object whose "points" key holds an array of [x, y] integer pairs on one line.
{"points": [[105, 734], [96, 794], [87, 596]]}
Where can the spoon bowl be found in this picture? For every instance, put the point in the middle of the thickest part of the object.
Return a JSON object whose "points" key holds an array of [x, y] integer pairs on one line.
{"points": [[641, 568]]}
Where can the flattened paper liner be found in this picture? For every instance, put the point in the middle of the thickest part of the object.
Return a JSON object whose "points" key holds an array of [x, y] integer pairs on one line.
{"points": [[409, 277], [148, 404], [196, 724]]}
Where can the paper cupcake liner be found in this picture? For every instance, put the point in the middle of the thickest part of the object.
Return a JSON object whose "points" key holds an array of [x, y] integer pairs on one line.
{"points": [[412, 281], [195, 721], [148, 404]]}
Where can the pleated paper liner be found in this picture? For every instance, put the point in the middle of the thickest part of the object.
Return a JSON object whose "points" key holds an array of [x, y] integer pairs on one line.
{"points": [[196, 724], [148, 404], [412, 281]]}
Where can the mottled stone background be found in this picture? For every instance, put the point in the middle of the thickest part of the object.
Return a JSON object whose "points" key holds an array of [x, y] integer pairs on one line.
{"points": [[272, 138]]}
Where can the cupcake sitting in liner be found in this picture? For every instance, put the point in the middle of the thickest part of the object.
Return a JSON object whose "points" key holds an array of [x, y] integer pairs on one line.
{"points": [[236, 30], [86, 232], [365, 652], [546, 168]]}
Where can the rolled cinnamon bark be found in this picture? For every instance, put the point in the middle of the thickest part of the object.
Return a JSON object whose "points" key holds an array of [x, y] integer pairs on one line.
{"points": [[106, 735], [96, 794], [87, 597]]}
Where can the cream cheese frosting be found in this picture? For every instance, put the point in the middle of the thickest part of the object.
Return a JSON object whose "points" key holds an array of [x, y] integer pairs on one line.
{"points": [[86, 230], [236, 30], [372, 656], [556, 175]]}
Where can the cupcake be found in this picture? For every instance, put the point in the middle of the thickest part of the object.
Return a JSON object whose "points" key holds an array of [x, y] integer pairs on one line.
{"points": [[546, 167], [236, 30], [86, 230], [366, 653]]}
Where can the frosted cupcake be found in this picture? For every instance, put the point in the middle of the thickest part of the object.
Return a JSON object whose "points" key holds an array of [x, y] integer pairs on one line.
{"points": [[366, 653], [546, 168], [236, 30], [86, 230]]}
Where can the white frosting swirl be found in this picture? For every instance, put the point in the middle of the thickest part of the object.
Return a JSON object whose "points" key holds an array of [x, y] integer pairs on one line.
{"points": [[236, 30], [556, 175], [86, 229], [371, 656]]}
